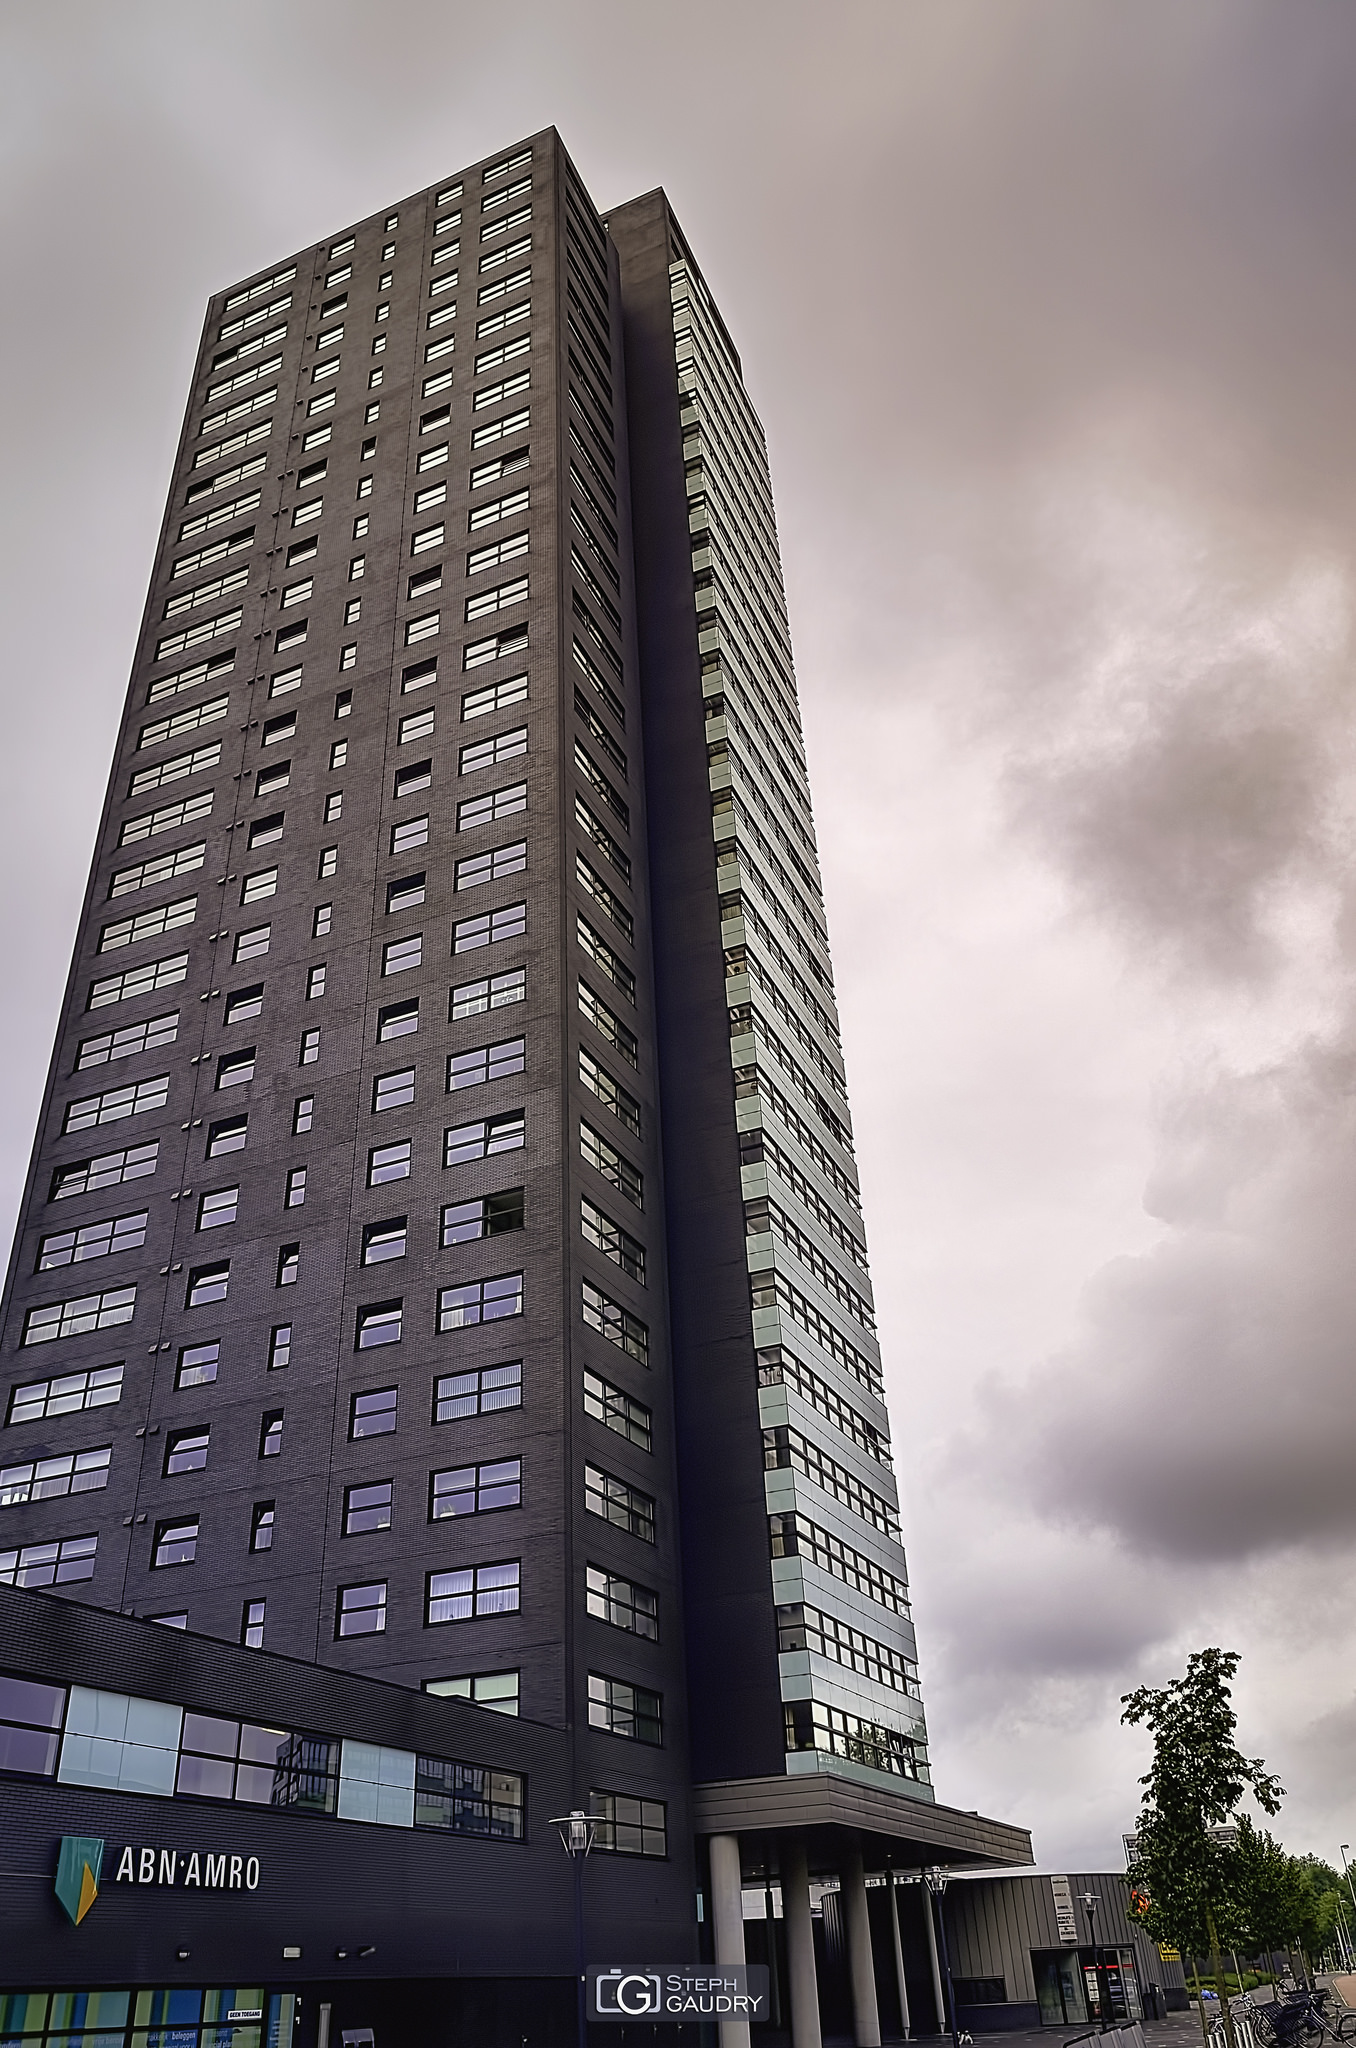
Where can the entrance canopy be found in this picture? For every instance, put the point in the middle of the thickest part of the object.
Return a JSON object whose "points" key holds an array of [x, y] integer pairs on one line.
{"points": [[825, 1811]]}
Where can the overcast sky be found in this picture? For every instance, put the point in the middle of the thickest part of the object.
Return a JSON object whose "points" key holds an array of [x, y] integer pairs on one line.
{"points": [[1049, 308]]}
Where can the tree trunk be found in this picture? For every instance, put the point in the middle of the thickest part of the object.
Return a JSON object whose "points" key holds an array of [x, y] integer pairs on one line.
{"points": [[1217, 1965], [1200, 2002]]}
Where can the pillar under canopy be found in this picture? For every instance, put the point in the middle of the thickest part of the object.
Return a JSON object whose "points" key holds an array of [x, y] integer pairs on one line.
{"points": [[865, 2012], [800, 1947], [727, 1922]]}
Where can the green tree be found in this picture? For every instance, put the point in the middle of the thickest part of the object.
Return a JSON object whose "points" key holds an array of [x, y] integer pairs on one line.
{"points": [[1271, 1890], [1184, 1876]]}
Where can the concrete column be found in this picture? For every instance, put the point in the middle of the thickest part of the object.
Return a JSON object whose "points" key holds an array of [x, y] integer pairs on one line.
{"points": [[727, 1920], [865, 2013], [943, 2025], [800, 1947], [900, 1985]]}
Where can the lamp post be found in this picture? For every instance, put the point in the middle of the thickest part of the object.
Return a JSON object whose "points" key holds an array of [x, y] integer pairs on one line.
{"points": [[577, 1831], [1346, 1872], [936, 1880], [1089, 1902]]}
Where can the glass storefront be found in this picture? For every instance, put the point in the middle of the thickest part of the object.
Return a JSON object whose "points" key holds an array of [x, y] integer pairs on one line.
{"points": [[1070, 1981], [232, 2016]]}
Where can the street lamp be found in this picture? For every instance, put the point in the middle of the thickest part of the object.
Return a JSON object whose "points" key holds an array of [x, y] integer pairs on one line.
{"points": [[1346, 1850], [1089, 1902], [577, 1831], [936, 1880]]}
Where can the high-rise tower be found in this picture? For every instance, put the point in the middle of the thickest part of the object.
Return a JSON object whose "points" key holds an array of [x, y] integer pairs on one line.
{"points": [[442, 1262]]}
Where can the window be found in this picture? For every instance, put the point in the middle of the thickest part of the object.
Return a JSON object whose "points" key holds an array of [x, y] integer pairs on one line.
{"points": [[208, 1283], [367, 1507], [495, 1690], [372, 1414], [99, 1386], [418, 726], [364, 489], [137, 981], [265, 831], [478, 1590], [599, 731], [218, 1206], [32, 1715], [599, 1153], [382, 1241], [185, 1451], [389, 1091], [609, 1026], [53, 1478], [242, 1003], [56, 1319], [473, 998], [165, 869], [165, 819], [618, 1411], [429, 537], [381, 1322], [252, 1625], [601, 954], [262, 1520], [197, 1364], [509, 922], [83, 1176], [418, 675], [475, 1489], [151, 1033], [315, 983], [628, 1826], [115, 1103], [497, 697], [388, 1162], [271, 1433], [498, 508], [92, 1241], [477, 652], [264, 882], [621, 1604], [414, 832], [175, 1543], [465, 1142], [295, 1192], [615, 1323], [611, 1240], [343, 699], [150, 924], [303, 1115], [490, 867], [252, 944], [322, 920], [480, 1301], [481, 1392], [49, 1564], [485, 1063], [488, 809], [329, 863], [309, 1051], [502, 466], [625, 1709], [280, 1347], [626, 1507], [348, 658], [486, 1216], [505, 746], [334, 807], [235, 1068], [289, 1265], [339, 755], [497, 599], [397, 1020], [361, 1610], [496, 553], [398, 955], [419, 775]]}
